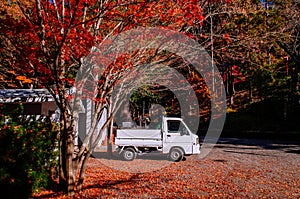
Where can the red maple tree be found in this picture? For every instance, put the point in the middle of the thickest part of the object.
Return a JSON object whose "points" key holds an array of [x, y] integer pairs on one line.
{"points": [[44, 44]]}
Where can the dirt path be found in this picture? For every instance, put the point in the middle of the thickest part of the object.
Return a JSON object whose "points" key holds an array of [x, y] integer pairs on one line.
{"points": [[235, 168]]}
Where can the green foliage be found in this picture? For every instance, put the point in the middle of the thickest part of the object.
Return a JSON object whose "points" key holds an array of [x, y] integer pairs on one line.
{"points": [[28, 155], [143, 98]]}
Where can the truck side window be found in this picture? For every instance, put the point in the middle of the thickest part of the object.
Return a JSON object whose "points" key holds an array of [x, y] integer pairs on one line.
{"points": [[175, 126]]}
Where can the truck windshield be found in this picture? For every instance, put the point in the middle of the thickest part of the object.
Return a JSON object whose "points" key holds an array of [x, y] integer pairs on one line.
{"points": [[175, 126]]}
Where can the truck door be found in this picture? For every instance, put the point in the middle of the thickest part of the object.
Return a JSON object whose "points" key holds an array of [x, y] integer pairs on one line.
{"points": [[178, 135]]}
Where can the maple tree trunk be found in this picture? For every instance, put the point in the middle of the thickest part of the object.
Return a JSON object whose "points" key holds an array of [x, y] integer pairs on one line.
{"points": [[109, 130], [109, 141], [67, 177], [82, 170]]}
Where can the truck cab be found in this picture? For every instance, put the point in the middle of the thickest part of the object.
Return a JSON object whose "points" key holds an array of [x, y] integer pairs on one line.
{"points": [[176, 134]]}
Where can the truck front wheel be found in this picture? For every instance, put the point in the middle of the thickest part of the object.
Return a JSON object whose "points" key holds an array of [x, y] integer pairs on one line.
{"points": [[176, 154], [129, 154]]}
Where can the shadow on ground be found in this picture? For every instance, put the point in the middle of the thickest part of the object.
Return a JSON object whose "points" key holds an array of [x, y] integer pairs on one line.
{"points": [[257, 144]]}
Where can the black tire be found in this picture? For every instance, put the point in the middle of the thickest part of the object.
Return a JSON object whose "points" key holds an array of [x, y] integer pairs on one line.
{"points": [[129, 154], [176, 154]]}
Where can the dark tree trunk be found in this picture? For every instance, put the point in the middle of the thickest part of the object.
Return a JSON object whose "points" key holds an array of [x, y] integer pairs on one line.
{"points": [[85, 158], [67, 173], [109, 141]]}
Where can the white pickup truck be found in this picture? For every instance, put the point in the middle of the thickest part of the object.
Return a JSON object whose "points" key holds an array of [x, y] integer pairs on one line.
{"points": [[173, 138]]}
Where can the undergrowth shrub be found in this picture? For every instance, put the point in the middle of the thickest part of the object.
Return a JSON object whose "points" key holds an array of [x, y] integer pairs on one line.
{"points": [[28, 153]]}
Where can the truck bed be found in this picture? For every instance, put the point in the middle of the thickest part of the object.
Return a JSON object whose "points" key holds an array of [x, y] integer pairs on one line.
{"points": [[139, 137]]}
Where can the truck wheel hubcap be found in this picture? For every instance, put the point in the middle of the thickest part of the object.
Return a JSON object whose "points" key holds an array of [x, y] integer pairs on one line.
{"points": [[128, 155], [176, 154]]}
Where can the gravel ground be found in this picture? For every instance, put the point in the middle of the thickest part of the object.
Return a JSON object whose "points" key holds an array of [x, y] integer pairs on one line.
{"points": [[235, 168]]}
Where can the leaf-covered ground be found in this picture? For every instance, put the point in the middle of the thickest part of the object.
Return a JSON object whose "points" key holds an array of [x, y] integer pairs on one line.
{"points": [[233, 169]]}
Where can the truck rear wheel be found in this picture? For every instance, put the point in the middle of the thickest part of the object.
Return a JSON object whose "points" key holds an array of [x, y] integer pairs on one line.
{"points": [[176, 154], [129, 154]]}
